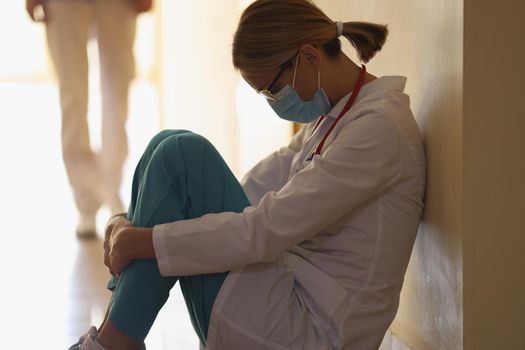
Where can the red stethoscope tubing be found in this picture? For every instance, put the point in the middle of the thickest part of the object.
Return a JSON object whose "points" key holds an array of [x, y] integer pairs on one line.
{"points": [[358, 85]]}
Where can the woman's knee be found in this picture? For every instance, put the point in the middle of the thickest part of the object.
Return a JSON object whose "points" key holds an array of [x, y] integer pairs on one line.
{"points": [[191, 147], [187, 141], [154, 144], [162, 135], [184, 152]]}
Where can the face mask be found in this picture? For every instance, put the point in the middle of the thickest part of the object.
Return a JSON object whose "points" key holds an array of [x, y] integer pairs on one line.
{"points": [[290, 106]]}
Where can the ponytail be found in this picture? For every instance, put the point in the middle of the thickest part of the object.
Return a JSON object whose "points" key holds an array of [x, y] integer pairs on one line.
{"points": [[366, 38]]}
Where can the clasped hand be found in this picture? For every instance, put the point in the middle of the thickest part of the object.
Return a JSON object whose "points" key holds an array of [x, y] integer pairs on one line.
{"points": [[115, 255]]}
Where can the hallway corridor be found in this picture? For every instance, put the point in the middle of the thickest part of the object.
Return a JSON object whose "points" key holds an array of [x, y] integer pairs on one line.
{"points": [[53, 286]]}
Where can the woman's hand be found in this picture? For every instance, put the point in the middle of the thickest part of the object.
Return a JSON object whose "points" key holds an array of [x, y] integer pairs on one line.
{"points": [[111, 223], [120, 248], [124, 242], [114, 227], [37, 16]]}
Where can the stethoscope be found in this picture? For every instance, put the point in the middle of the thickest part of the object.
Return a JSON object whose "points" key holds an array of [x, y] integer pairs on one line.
{"points": [[358, 85]]}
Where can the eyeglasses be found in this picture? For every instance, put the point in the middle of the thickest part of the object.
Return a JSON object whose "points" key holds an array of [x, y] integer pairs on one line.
{"points": [[267, 93]]}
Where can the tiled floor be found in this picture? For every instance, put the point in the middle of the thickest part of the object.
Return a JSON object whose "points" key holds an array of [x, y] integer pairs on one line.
{"points": [[53, 286]]}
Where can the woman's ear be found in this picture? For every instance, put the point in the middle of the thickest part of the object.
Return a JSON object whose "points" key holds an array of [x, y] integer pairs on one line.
{"points": [[311, 55]]}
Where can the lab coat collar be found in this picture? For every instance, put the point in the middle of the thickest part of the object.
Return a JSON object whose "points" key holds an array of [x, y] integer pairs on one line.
{"points": [[379, 85]]}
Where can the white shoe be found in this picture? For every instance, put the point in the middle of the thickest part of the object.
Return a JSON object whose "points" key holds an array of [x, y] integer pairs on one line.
{"points": [[91, 344], [86, 226], [88, 341], [92, 332]]}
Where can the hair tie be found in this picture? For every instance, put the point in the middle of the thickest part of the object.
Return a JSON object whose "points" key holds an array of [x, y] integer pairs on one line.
{"points": [[340, 26]]}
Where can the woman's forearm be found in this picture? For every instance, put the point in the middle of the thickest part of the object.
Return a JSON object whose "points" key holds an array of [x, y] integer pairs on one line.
{"points": [[138, 243]]}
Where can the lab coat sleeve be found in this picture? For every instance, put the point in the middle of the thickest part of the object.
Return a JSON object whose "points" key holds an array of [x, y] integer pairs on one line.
{"points": [[271, 173], [363, 160]]}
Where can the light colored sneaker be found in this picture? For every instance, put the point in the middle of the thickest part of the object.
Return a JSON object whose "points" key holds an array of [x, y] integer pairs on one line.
{"points": [[91, 344], [92, 332], [88, 341]]}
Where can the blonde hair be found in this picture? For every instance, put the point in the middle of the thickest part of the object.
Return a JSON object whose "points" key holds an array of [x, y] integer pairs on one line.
{"points": [[270, 32]]}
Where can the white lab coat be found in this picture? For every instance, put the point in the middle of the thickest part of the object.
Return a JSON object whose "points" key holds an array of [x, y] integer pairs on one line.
{"points": [[318, 261]]}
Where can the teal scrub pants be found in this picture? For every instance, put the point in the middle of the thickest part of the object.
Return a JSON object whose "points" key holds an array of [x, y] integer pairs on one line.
{"points": [[180, 176]]}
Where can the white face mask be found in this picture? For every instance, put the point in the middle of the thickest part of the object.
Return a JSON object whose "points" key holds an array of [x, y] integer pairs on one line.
{"points": [[289, 105]]}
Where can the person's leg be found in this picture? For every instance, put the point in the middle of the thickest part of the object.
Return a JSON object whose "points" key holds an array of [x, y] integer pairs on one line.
{"points": [[67, 37], [185, 177], [138, 176], [111, 333], [213, 189], [116, 22], [200, 292]]}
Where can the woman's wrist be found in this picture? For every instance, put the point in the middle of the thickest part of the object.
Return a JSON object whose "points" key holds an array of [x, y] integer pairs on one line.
{"points": [[138, 243]]}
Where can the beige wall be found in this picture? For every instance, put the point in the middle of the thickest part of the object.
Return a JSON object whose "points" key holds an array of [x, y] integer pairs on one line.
{"points": [[425, 44], [198, 81], [494, 175], [465, 286]]}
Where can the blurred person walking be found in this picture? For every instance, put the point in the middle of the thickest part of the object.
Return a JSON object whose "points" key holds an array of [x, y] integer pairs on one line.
{"points": [[95, 177]]}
